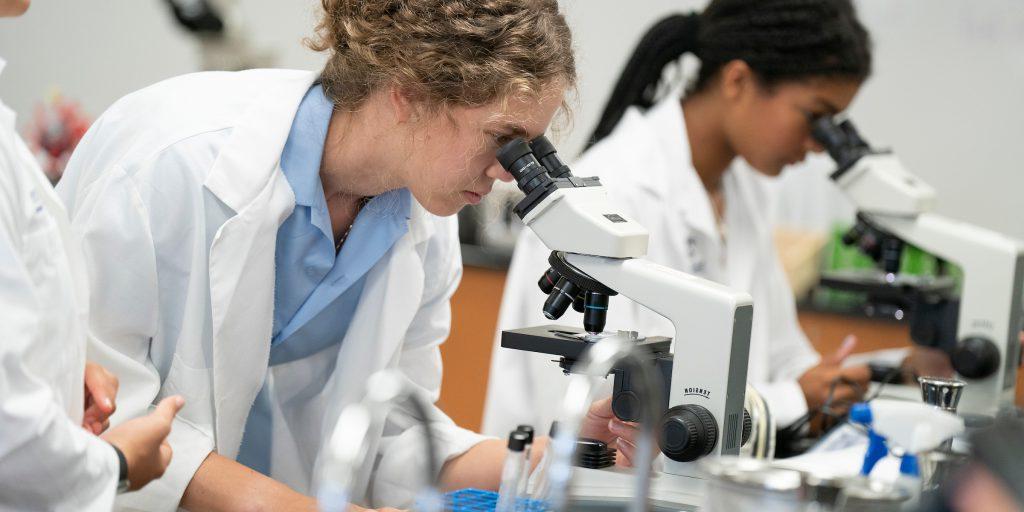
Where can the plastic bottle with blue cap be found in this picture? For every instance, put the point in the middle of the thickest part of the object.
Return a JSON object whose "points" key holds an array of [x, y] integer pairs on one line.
{"points": [[912, 427]]}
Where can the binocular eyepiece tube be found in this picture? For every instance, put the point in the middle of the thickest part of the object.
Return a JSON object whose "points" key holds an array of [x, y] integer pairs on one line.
{"points": [[533, 163], [841, 140], [517, 158], [545, 152]]}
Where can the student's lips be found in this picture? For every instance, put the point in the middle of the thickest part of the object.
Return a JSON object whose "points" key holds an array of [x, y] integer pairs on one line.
{"points": [[473, 197]]}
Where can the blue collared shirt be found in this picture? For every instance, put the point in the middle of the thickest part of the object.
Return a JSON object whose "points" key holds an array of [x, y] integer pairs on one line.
{"points": [[316, 291]]}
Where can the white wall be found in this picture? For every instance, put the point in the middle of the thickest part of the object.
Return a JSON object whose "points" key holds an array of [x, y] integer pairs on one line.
{"points": [[947, 94], [96, 51]]}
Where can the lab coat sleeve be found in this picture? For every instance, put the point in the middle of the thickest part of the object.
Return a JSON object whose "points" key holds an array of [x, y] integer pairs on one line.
{"points": [[400, 464], [791, 353], [46, 461], [114, 223]]}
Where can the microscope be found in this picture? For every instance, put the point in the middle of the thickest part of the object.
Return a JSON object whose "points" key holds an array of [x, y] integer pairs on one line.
{"points": [[979, 329], [598, 252]]}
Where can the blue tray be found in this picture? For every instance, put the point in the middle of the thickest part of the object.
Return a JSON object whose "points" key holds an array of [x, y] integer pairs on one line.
{"points": [[476, 500]]}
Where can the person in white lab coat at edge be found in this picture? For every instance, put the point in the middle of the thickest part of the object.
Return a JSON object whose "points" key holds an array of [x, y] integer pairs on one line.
{"points": [[692, 171], [56, 452], [268, 239]]}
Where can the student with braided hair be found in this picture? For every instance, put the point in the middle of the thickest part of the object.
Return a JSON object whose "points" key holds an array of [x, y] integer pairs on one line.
{"points": [[691, 168]]}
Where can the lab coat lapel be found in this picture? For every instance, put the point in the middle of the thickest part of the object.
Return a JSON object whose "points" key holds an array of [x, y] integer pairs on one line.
{"points": [[247, 179], [391, 298]]}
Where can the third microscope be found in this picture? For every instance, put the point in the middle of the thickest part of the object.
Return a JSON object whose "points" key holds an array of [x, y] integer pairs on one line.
{"points": [[980, 327]]}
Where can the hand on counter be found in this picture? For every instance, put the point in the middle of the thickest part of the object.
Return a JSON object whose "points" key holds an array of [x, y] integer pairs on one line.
{"points": [[926, 362], [830, 380]]}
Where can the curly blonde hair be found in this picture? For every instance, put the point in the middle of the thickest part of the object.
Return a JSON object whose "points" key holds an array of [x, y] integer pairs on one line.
{"points": [[443, 53]]}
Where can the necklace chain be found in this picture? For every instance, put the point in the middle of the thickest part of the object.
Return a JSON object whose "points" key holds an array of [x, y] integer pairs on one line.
{"points": [[359, 207]]}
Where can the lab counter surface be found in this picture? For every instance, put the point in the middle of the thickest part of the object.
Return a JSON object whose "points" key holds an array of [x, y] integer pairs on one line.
{"points": [[467, 353]]}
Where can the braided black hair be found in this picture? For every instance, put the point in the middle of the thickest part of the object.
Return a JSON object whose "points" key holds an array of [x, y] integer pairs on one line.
{"points": [[780, 40]]}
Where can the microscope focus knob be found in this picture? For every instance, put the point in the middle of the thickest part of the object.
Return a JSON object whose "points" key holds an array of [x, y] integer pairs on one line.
{"points": [[748, 427], [975, 358], [688, 432]]}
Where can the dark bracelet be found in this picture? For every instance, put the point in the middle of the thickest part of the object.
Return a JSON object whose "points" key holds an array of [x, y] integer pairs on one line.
{"points": [[122, 476]]}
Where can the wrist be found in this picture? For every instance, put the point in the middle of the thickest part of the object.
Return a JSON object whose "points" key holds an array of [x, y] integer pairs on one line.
{"points": [[122, 473]]}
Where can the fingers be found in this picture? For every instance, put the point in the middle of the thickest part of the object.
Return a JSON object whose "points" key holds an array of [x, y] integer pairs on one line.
{"points": [[595, 425], [627, 453], [860, 374], [165, 454], [620, 428], [102, 388], [602, 409], [95, 421], [98, 428], [845, 349], [169, 407]]}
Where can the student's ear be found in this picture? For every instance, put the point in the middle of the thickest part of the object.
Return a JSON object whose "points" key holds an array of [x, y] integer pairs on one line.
{"points": [[738, 81], [403, 105]]}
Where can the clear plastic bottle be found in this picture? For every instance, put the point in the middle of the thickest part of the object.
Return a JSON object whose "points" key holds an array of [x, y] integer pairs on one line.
{"points": [[540, 475], [525, 479], [511, 473]]}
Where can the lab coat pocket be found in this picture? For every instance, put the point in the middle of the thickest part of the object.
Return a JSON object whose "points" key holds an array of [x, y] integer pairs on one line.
{"points": [[194, 385]]}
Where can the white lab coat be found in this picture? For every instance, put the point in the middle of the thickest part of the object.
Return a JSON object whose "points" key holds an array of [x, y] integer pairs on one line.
{"points": [[646, 166], [47, 460], [178, 193]]}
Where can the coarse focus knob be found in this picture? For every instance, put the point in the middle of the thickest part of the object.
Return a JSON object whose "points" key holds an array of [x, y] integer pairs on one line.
{"points": [[975, 358], [688, 432], [748, 427]]}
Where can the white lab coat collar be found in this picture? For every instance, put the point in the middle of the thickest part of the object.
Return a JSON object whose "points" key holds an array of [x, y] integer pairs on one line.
{"points": [[251, 157]]}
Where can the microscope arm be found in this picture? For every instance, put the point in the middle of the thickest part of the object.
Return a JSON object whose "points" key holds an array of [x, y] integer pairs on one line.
{"points": [[898, 203], [711, 346], [602, 250], [990, 314]]}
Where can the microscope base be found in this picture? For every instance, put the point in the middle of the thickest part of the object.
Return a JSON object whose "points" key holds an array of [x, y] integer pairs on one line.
{"points": [[616, 485]]}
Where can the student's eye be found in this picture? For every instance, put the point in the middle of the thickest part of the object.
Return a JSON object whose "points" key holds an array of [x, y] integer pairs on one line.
{"points": [[500, 139], [813, 115]]}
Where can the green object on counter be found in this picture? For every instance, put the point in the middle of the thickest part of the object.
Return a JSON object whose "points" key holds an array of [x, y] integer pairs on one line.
{"points": [[842, 257]]}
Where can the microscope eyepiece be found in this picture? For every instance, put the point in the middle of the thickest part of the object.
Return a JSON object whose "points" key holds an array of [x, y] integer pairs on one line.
{"points": [[546, 154], [517, 158], [560, 299], [842, 141], [512, 152]]}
